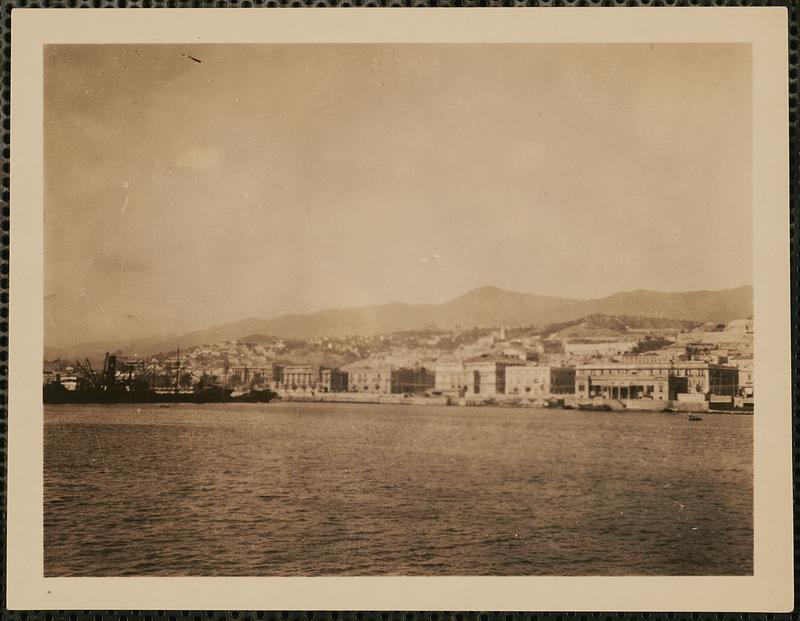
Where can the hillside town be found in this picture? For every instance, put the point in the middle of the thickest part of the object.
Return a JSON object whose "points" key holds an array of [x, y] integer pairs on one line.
{"points": [[607, 362]]}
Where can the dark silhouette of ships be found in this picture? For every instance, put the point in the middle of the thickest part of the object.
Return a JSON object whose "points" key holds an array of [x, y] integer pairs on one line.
{"points": [[132, 385]]}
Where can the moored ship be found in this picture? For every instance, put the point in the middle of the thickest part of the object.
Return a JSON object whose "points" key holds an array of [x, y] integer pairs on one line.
{"points": [[109, 386]]}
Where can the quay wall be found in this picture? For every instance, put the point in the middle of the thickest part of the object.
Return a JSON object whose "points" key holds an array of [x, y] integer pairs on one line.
{"points": [[618, 405], [645, 405], [355, 397]]}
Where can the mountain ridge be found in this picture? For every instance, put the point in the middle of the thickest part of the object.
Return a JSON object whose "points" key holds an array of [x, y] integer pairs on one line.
{"points": [[483, 306]]}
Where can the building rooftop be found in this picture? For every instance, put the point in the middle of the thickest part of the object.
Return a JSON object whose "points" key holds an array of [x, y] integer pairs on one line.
{"points": [[496, 358], [691, 364]]}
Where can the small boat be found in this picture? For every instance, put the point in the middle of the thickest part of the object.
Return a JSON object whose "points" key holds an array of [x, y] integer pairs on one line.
{"points": [[164, 405], [694, 417]]}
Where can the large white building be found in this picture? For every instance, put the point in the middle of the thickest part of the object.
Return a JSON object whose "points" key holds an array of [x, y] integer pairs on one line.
{"points": [[745, 366], [655, 381], [450, 377], [486, 374], [368, 379], [528, 381]]}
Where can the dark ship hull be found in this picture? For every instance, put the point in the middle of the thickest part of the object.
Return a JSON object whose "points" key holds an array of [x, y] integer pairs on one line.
{"points": [[54, 394], [256, 396]]}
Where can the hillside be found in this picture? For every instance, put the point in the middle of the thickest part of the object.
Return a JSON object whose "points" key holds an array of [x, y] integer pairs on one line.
{"points": [[597, 326], [485, 306]]}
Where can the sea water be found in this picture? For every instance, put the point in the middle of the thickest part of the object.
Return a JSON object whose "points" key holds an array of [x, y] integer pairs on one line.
{"points": [[291, 489]]}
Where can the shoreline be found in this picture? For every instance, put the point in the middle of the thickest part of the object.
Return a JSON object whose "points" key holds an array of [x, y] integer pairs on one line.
{"points": [[504, 402], [670, 407]]}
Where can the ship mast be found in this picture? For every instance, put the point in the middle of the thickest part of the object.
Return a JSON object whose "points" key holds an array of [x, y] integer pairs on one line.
{"points": [[178, 372]]}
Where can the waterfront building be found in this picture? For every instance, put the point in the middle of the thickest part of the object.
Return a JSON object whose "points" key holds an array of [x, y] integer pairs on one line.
{"points": [[269, 376], [562, 380], [332, 380], [299, 377], [709, 378], [627, 381], [655, 381], [528, 381], [486, 374], [277, 375], [374, 380], [412, 380], [745, 366], [253, 376], [450, 377]]}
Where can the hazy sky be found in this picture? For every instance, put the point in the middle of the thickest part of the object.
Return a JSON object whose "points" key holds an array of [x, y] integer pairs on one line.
{"points": [[270, 179]]}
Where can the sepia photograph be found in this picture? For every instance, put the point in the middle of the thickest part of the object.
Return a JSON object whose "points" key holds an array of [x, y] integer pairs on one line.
{"points": [[427, 351], [399, 309]]}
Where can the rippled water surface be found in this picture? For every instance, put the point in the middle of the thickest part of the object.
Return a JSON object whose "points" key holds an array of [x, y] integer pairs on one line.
{"points": [[321, 489]]}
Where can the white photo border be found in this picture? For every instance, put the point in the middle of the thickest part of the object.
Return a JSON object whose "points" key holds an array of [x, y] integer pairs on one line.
{"points": [[770, 589]]}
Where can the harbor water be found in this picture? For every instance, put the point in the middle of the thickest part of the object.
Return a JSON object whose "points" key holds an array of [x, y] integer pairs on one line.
{"points": [[308, 489]]}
